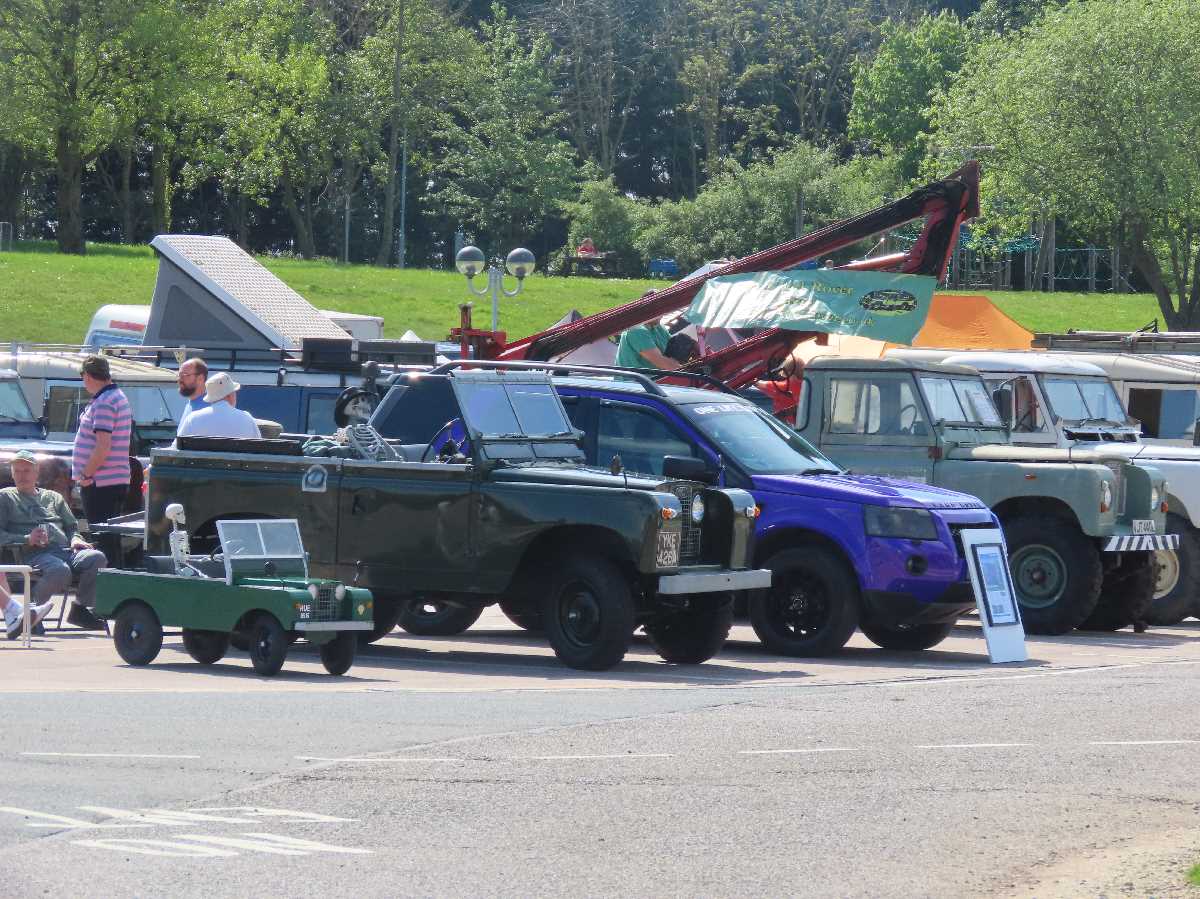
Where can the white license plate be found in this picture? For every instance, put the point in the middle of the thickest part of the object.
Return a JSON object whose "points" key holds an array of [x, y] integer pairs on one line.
{"points": [[668, 549], [1143, 525]]}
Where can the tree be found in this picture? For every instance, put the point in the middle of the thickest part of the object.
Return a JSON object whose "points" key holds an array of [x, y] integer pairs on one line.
{"points": [[893, 93], [1092, 115]]}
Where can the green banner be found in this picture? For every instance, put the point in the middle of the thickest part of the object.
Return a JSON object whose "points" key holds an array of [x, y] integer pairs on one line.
{"points": [[881, 305]]}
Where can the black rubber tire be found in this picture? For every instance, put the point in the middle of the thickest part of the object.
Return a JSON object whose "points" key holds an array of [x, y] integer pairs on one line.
{"points": [[206, 647], [427, 618], [1183, 599], [689, 638], [806, 575], [338, 654], [268, 645], [911, 638], [385, 613], [588, 612], [1126, 595], [137, 633], [1082, 572], [525, 615]]}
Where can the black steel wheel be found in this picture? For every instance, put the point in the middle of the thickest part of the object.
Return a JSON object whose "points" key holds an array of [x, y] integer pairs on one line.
{"points": [[268, 645], [689, 638], [910, 638], [812, 605], [206, 647], [1056, 570], [385, 612], [524, 614], [433, 618], [588, 612], [1126, 594], [137, 633], [338, 654]]}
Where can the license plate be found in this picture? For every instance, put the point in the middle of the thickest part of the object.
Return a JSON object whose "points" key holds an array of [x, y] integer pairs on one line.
{"points": [[1143, 525], [668, 549]]}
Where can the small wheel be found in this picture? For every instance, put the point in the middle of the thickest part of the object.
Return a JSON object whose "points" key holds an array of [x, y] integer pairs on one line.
{"points": [[338, 654], [430, 618], [137, 633], [812, 605], [385, 613], [268, 645], [206, 647], [910, 638], [524, 614], [689, 638]]}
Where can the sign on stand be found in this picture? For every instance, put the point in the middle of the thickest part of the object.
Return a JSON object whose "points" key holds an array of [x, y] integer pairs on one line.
{"points": [[995, 597]]}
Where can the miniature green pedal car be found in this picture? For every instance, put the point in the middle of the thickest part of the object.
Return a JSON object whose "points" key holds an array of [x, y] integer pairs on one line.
{"points": [[256, 590]]}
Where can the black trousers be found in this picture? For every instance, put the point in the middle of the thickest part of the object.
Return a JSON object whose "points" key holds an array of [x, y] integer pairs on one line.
{"points": [[101, 504]]}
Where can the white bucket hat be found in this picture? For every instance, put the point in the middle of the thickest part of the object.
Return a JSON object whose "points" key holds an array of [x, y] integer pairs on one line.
{"points": [[220, 386]]}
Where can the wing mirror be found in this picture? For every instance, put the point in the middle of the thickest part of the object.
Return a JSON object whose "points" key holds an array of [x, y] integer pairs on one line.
{"points": [[688, 468]]}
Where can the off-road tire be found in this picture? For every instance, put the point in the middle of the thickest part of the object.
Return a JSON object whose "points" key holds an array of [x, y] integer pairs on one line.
{"points": [[137, 633], [268, 645], [428, 618], [525, 614], [385, 613], [588, 612], [910, 638], [689, 638], [812, 606], [1082, 572], [1183, 599], [206, 647], [1126, 594], [338, 654]]}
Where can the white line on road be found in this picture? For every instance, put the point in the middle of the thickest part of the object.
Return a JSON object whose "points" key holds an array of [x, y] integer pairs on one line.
{"points": [[319, 758], [1140, 742], [970, 745], [625, 755], [791, 751], [107, 755]]}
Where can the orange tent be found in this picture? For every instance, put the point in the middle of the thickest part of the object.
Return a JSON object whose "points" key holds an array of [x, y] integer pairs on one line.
{"points": [[955, 322]]}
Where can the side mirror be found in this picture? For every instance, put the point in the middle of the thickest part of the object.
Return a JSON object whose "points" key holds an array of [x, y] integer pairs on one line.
{"points": [[1003, 398], [1196, 433], [688, 468]]}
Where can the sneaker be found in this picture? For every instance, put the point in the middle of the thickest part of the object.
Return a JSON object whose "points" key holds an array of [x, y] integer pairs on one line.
{"points": [[15, 625], [83, 618]]}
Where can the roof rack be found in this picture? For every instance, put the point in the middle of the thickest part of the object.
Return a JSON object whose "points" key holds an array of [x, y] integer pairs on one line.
{"points": [[321, 354], [556, 368], [1158, 342]]}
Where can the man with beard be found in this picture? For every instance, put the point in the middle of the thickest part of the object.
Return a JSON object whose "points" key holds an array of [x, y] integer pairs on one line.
{"points": [[191, 378]]}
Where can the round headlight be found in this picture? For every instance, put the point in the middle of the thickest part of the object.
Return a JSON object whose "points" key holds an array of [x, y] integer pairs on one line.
{"points": [[1155, 496], [313, 591], [1106, 496], [698, 509], [339, 592]]}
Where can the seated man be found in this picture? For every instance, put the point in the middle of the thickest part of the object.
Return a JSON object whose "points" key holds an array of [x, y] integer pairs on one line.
{"points": [[222, 418], [42, 524], [13, 620]]}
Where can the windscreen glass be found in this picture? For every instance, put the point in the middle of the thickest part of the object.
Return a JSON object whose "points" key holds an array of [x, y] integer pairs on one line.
{"points": [[1084, 400], [512, 410], [12, 403], [538, 410], [959, 401], [758, 442]]}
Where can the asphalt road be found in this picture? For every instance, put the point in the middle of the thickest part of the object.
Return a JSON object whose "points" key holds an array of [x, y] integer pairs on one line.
{"points": [[476, 766]]}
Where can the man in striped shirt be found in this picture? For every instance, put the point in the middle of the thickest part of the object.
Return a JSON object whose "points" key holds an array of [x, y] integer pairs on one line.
{"points": [[100, 460]]}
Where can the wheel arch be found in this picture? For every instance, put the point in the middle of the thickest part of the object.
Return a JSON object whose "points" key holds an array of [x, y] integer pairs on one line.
{"points": [[570, 538], [797, 537], [1019, 506]]}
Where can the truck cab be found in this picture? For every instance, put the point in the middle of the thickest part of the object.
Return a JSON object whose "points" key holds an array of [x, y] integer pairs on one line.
{"points": [[1093, 566]]}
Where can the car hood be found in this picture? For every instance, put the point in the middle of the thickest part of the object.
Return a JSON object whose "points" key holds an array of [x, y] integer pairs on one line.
{"points": [[1145, 451], [867, 489], [1003, 452]]}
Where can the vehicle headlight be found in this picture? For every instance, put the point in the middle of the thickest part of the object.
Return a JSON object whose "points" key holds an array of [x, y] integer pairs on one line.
{"points": [[339, 592], [314, 591], [1155, 497], [1106, 496], [697, 508], [902, 521]]}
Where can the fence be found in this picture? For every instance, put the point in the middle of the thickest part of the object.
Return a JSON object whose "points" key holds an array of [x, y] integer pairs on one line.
{"points": [[6, 234]]}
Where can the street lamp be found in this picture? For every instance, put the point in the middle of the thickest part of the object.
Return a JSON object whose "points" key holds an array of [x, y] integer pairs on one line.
{"points": [[470, 262]]}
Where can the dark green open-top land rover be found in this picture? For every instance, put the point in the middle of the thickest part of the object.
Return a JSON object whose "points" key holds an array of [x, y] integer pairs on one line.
{"points": [[498, 507]]}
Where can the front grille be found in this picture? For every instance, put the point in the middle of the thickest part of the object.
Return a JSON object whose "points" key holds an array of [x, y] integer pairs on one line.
{"points": [[326, 606], [691, 540], [956, 530], [1118, 470]]}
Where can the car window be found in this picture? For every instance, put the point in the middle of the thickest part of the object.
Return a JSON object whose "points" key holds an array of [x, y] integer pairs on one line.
{"points": [[320, 414], [759, 443], [1091, 400], [536, 407], [1165, 413], [882, 406], [639, 437], [12, 402], [1026, 411]]}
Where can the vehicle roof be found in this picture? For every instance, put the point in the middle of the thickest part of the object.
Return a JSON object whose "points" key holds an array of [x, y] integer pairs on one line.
{"points": [[850, 364], [1143, 366], [1042, 363], [65, 365], [8, 373], [676, 394]]}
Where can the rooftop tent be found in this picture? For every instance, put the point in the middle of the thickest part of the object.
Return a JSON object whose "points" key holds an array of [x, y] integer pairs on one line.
{"points": [[212, 293], [955, 322]]}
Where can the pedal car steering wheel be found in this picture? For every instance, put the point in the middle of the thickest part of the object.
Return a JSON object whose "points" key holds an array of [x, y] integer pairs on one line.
{"points": [[446, 436]]}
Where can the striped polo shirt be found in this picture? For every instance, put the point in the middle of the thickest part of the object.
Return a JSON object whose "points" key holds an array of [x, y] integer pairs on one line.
{"points": [[108, 411]]}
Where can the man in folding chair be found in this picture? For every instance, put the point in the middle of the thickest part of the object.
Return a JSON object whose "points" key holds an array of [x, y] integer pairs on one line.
{"points": [[12, 608], [39, 522]]}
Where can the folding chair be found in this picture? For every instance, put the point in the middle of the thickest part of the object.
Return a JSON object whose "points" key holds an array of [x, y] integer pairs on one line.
{"points": [[11, 553]]}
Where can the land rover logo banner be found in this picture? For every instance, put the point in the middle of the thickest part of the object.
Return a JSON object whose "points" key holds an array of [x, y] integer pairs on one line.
{"points": [[880, 305]]}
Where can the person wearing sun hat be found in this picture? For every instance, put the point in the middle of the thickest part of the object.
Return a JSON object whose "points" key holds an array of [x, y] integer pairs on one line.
{"points": [[222, 418]]}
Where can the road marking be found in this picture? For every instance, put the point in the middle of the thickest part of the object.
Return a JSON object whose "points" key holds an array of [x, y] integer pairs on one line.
{"points": [[279, 814], [570, 758], [107, 755], [165, 848], [389, 759], [61, 821], [800, 751], [206, 846], [148, 817], [154, 817], [1140, 742], [969, 745]]}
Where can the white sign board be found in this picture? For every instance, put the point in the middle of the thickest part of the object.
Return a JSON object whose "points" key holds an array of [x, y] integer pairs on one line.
{"points": [[995, 597]]}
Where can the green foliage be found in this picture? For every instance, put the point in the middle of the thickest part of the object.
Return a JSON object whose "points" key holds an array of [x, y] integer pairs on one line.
{"points": [[894, 91], [608, 218], [1091, 115]]}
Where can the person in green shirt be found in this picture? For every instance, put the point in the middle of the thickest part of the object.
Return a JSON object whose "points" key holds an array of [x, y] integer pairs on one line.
{"points": [[645, 346]]}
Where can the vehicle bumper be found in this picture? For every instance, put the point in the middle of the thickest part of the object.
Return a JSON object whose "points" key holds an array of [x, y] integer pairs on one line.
{"points": [[303, 626], [894, 609], [1139, 542], [714, 580]]}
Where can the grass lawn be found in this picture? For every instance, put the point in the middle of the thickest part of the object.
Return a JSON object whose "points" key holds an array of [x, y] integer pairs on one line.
{"points": [[1194, 876], [48, 297]]}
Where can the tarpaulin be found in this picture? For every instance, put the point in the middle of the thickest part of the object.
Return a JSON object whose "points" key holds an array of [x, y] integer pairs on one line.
{"points": [[881, 305]]}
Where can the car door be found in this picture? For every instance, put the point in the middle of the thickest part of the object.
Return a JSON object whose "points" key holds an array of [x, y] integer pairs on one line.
{"points": [[640, 436], [876, 423]]}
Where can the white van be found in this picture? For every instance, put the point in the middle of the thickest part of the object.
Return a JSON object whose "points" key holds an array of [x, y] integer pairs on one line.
{"points": [[125, 325]]}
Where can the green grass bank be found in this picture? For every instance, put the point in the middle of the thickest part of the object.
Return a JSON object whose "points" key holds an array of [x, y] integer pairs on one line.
{"points": [[48, 297]]}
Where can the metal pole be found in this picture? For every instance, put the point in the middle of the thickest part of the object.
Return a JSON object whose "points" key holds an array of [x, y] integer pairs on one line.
{"points": [[1091, 269], [495, 285], [26, 622], [346, 231], [402, 246]]}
